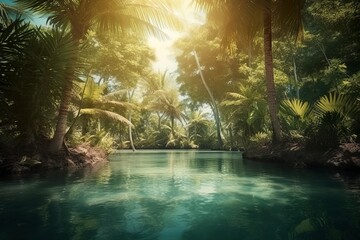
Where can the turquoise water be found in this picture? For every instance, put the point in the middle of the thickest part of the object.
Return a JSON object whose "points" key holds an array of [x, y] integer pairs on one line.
{"points": [[182, 195]]}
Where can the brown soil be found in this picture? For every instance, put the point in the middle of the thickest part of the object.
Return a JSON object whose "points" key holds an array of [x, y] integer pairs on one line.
{"points": [[75, 158], [345, 156]]}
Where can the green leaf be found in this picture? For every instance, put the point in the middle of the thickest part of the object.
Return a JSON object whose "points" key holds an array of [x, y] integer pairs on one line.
{"points": [[335, 102], [296, 107]]}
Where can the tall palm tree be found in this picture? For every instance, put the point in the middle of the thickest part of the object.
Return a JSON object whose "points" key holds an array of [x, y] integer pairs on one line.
{"points": [[241, 20], [79, 16], [168, 103]]}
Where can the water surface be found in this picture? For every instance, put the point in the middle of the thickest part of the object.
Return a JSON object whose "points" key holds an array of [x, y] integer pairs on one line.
{"points": [[182, 195]]}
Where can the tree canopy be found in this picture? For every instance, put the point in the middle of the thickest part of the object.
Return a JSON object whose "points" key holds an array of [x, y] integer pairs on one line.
{"points": [[265, 71]]}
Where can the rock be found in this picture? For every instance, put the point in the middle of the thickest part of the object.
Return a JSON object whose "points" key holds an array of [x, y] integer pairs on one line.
{"points": [[71, 164]]}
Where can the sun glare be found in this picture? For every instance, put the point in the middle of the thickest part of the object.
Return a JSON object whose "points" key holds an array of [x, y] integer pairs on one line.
{"points": [[165, 57]]}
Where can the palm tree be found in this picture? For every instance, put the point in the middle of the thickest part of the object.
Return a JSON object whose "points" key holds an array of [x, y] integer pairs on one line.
{"points": [[32, 69], [167, 102], [79, 16], [243, 19], [153, 84], [198, 126], [98, 113], [94, 103], [250, 108]]}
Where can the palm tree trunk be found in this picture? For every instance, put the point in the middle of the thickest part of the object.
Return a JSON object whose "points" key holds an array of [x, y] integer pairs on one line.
{"points": [[232, 145], [130, 135], [269, 76], [296, 79], [61, 125], [69, 131], [130, 95], [159, 120], [172, 122], [213, 104], [57, 142]]}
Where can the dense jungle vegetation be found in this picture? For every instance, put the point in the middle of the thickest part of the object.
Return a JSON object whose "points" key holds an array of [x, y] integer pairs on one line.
{"points": [[255, 72]]}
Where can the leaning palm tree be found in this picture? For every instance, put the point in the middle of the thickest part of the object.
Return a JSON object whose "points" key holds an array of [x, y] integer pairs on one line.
{"points": [[212, 104], [80, 16], [242, 20]]}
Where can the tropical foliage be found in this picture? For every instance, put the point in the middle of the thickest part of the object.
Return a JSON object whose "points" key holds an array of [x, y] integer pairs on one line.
{"points": [[82, 16], [326, 124], [87, 76]]}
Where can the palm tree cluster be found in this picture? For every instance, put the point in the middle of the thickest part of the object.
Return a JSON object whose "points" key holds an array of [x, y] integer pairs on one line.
{"points": [[244, 19], [42, 67], [87, 76], [257, 58]]}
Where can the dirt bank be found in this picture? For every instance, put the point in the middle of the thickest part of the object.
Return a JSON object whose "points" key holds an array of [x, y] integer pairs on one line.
{"points": [[75, 158], [345, 156]]}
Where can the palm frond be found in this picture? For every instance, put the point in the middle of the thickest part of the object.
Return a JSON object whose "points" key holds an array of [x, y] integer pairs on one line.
{"points": [[8, 12], [105, 114], [288, 16], [296, 107], [92, 90], [115, 94], [53, 58], [144, 17], [231, 103], [241, 20], [14, 38], [236, 95], [118, 104], [335, 102]]}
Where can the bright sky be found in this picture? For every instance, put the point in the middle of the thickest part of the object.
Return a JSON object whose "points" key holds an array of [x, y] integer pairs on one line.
{"points": [[163, 48]]}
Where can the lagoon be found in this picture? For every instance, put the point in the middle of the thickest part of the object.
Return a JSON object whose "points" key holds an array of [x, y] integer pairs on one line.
{"points": [[191, 195]]}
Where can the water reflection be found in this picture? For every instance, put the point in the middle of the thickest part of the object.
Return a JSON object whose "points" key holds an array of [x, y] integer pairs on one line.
{"points": [[181, 195]]}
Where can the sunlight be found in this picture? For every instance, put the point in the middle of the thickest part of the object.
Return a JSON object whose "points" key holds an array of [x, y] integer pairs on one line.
{"points": [[165, 59]]}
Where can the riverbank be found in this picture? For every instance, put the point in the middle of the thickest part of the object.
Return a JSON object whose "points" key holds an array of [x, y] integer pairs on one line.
{"points": [[74, 158], [345, 156]]}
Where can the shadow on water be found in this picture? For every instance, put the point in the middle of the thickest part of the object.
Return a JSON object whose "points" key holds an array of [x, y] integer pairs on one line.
{"points": [[182, 195]]}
